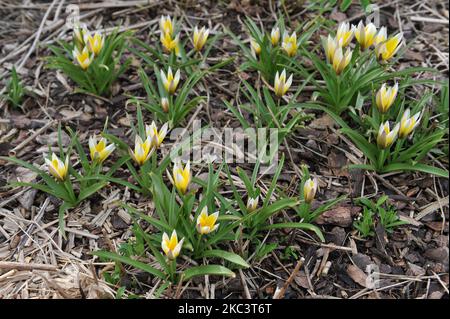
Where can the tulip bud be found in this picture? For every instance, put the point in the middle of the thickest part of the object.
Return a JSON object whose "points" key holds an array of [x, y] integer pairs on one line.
{"points": [[275, 36], [386, 97], [365, 35], [142, 150], [310, 189], [200, 37], [255, 46], [166, 25], [181, 177], [156, 136], [345, 34], [83, 58], [165, 104], [170, 81], [170, 246], [252, 204], [408, 124], [281, 86], [57, 167], [340, 61], [386, 137], [290, 44]]}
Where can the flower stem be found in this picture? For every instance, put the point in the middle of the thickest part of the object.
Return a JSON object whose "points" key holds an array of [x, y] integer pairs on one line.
{"points": [[338, 93], [173, 269], [381, 159], [398, 147]]}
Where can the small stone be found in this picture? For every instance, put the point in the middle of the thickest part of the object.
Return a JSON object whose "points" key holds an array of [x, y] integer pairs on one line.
{"points": [[412, 258], [88, 109], [362, 261], [339, 216], [385, 269], [337, 236], [312, 144], [437, 254], [118, 222], [415, 270], [439, 268], [436, 295], [52, 139]]}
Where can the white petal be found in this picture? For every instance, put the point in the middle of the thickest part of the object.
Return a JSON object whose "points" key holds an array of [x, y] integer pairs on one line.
{"points": [[216, 215], [289, 82], [92, 142], [163, 77], [187, 168], [395, 130], [174, 235], [164, 246], [48, 162], [163, 131], [177, 249], [177, 77], [66, 163], [110, 148]]}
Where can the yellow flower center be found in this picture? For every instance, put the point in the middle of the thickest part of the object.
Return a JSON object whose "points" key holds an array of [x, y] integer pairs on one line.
{"points": [[172, 243]]}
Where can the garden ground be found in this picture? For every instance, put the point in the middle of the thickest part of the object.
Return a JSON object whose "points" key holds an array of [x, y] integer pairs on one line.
{"points": [[36, 262]]}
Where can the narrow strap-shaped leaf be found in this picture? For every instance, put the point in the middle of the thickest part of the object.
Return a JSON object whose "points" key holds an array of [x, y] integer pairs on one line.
{"points": [[135, 263], [417, 167], [232, 257], [207, 270], [306, 226]]}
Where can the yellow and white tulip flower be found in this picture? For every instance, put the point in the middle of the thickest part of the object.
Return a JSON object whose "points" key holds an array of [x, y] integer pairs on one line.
{"points": [[385, 97], [310, 189], [170, 44], [169, 81], [166, 25], [408, 124], [330, 45], [252, 203], [84, 58], [142, 150], [165, 104], [386, 137], [181, 176], [58, 168], [255, 46], [207, 223], [290, 44], [365, 35], [275, 36], [340, 61], [200, 37], [387, 49], [79, 31], [94, 43], [171, 246], [281, 86], [156, 136], [345, 34], [100, 151]]}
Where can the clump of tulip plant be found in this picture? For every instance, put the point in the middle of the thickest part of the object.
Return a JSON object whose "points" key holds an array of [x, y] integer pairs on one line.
{"points": [[92, 61]]}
